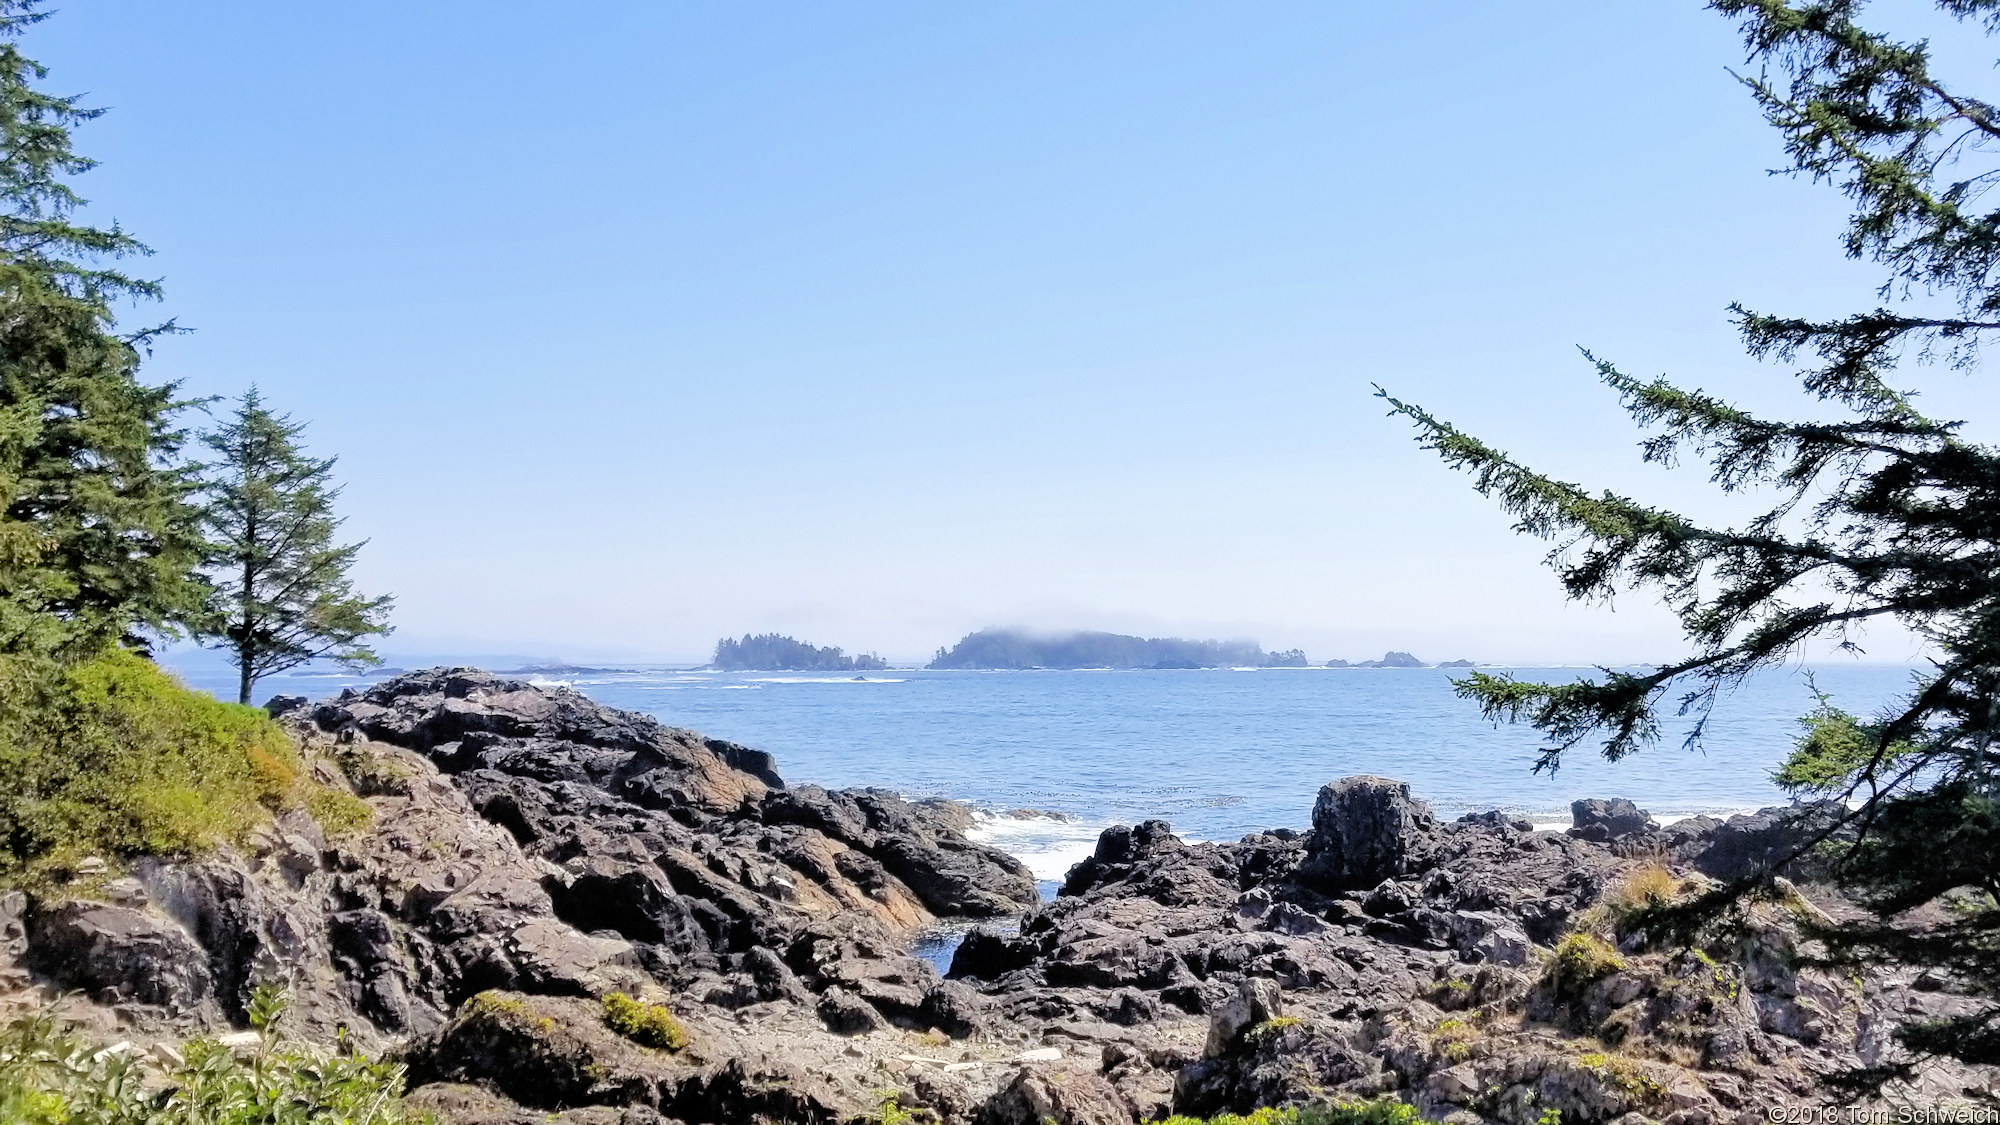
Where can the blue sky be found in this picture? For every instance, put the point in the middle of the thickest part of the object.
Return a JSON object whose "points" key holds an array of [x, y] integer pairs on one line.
{"points": [[637, 324]]}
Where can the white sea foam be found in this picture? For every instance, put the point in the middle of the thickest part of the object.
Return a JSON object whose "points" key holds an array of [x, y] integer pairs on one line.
{"points": [[1050, 846], [537, 681], [1561, 822]]}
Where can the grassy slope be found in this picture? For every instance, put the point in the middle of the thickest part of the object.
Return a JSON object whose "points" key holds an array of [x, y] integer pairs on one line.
{"points": [[114, 758]]}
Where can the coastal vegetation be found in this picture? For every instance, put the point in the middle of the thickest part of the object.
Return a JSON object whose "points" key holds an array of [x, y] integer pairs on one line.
{"points": [[104, 548], [98, 541], [1394, 659], [649, 1025], [1874, 512], [1015, 648], [112, 758], [769, 652], [52, 1075], [1347, 1111], [281, 593]]}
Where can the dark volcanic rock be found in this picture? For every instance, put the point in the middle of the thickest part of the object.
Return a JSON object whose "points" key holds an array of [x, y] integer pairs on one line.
{"points": [[1766, 840], [692, 849], [847, 1014], [1057, 1095], [1365, 830], [1118, 849], [119, 954], [531, 840], [989, 955], [1411, 958], [954, 1009], [1257, 1001], [544, 1053], [919, 844], [532, 852], [1606, 820]]}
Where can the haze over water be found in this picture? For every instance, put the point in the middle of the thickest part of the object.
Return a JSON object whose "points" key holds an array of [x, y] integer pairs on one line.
{"points": [[1218, 753]]}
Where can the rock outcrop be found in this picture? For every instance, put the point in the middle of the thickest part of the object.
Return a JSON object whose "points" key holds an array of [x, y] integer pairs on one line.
{"points": [[529, 842], [1453, 964], [532, 853]]}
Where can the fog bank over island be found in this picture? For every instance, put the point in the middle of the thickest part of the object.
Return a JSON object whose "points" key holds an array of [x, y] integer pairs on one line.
{"points": [[995, 648]]}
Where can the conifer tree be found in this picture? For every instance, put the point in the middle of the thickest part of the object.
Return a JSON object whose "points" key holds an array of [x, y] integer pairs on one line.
{"points": [[282, 593], [96, 537], [1879, 513]]}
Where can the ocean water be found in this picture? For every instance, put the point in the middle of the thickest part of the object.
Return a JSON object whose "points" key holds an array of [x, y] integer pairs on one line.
{"points": [[1049, 758]]}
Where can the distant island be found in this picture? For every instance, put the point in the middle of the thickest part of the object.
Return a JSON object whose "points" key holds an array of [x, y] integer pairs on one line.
{"points": [[558, 668], [769, 652], [1012, 648], [1397, 660]]}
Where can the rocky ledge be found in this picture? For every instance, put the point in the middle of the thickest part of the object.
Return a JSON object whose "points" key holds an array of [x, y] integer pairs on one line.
{"points": [[533, 853]]}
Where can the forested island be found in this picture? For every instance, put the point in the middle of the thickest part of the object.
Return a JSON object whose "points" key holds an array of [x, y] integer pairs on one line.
{"points": [[770, 652], [1394, 659], [1013, 648]]}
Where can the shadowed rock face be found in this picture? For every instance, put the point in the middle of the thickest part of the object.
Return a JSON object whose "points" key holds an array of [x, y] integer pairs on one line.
{"points": [[692, 849], [118, 953], [1365, 830]]}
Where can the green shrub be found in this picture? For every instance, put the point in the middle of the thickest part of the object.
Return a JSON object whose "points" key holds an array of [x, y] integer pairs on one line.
{"points": [[649, 1025], [1580, 961], [112, 757], [1628, 1074], [888, 1110], [1341, 1111], [50, 1075], [1362, 1111], [1265, 1116], [1453, 1038]]}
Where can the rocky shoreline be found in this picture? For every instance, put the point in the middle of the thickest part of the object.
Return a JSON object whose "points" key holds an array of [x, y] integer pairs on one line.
{"points": [[533, 852]]}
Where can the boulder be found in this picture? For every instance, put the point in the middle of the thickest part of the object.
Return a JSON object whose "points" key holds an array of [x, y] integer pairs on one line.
{"points": [[690, 848], [543, 1052], [954, 1009], [1365, 830], [1051, 1094], [1256, 1001], [844, 1013], [1301, 1063], [13, 930], [1602, 820], [118, 954], [984, 954], [856, 957], [450, 1103], [1765, 840]]}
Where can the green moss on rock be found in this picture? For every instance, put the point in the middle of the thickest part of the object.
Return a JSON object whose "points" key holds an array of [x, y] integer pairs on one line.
{"points": [[649, 1025]]}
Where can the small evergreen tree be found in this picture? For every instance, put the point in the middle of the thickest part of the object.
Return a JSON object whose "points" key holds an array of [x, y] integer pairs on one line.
{"points": [[282, 593], [1881, 513], [96, 536]]}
